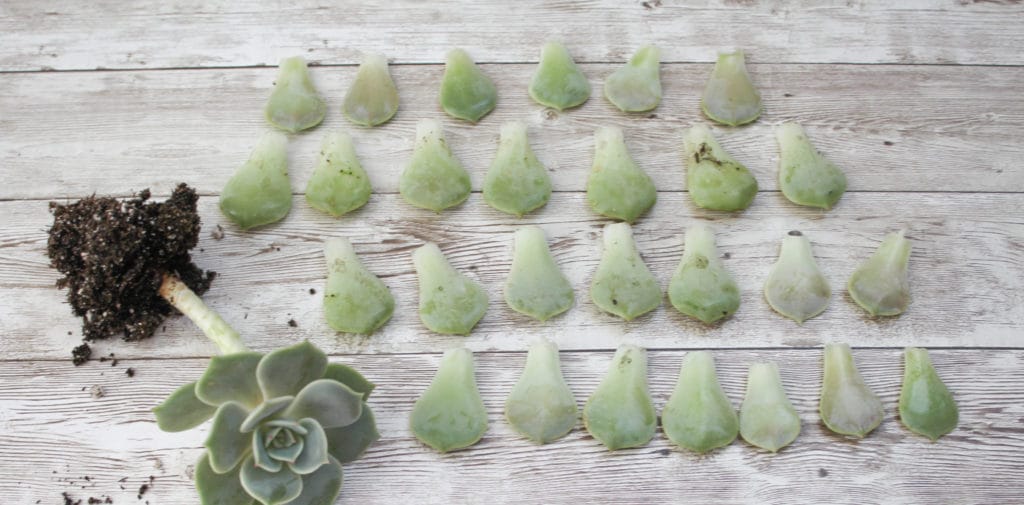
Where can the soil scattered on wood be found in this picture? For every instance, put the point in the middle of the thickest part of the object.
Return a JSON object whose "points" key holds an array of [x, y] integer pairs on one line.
{"points": [[113, 255]]}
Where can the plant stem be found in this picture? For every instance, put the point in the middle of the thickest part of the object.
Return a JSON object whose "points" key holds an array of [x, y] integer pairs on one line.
{"points": [[216, 329]]}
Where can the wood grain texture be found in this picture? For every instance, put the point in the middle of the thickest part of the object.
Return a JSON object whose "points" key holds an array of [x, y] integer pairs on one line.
{"points": [[54, 430], [51, 34], [903, 128], [966, 270]]}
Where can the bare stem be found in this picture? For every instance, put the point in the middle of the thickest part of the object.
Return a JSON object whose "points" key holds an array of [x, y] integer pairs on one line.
{"points": [[188, 302]]}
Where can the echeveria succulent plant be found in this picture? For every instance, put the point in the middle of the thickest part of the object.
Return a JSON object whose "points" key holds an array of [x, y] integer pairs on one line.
{"points": [[558, 82], [714, 179], [730, 97], [373, 98], [617, 187], [283, 423], [805, 176]]}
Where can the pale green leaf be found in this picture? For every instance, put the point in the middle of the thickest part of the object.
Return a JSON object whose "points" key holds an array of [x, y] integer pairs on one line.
{"points": [[516, 183], [541, 406], [450, 302], [617, 187], [450, 414], [767, 418], [466, 92], [805, 176], [847, 406], [623, 285], [729, 96], [926, 405], [636, 86], [714, 179], [294, 105], [535, 286], [795, 286], [701, 286], [698, 415], [880, 284], [355, 300], [372, 99], [558, 83], [260, 193], [620, 413], [434, 179], [339, 184]]}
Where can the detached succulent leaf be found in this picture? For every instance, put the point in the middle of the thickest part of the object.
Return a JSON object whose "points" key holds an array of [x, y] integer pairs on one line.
{"points": [[767, 418], [231, 377], [466, 92], [347, 443], [339, 184], [183, 410], [620, 413], [219, 488], [434, 179], [698, 415], [535, 286], [270, 488], [226, 443], [714, 179], [288, 370], [260, 193], [355, 300], [729, 96], [617, 187], [880, 285], [321, 487], [701, 286], [294, 104], [450, 302], [623, 285], [330, 403], [795, 286], [350, 377], [847, 406], [636, 87], [926, 405], [450, 414], [805, 176], [558, 83], [541, 406], [516, 183], [373, 98]]}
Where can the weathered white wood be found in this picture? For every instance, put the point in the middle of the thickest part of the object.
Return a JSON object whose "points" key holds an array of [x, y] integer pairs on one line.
{"points": [[967, 275], [72, 134], [147, 34], [54, 430]]}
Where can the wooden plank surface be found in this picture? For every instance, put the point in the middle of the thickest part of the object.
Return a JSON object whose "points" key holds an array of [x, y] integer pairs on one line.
{"points": [[51, 419], [967, 275], [59, 35], [903, 128]]}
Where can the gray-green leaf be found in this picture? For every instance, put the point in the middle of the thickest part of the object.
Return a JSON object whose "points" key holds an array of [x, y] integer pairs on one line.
{"points": [[219, 488], [541, 406], [535, 286], [339, 184], [270, 488], [349, 442], [767, 418], [558, 83], [231, 377], [714, 179], [926, 405], [617, 187], [636, 86], [355, 300], [623, 285], [350, 377], [182, 410], [286, 371], [265, 411], [795, 286], [434, 179], [698, 415], [847, 406], [373, 98], [620, 414], [805, 176], [320, 487], [450, 302], [730, 97], [516, 183], [880, 285], [226, 443], [294, 105], [450, 414], [329, 402], [314, 453], [466, 92], [260, 193]]}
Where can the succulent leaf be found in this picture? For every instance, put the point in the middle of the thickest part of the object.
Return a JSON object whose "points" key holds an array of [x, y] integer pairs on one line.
{"points": [[926, 405], [261, 453], [623, 285], [270, 488], [294, 105], [767, 418], [558, 83], [314, 453], [701, 286], [516, 183], [541, 406], [260, 193], [466, 92], [227, 445], [617, 187], [714, 179], [636, 86], [264, 411], [219, 488], [847, 405], [373, 98], [620, 413], [535, 286], [350, 377], [320, 487], [329, 402], [698, 415], [292, 426], [729, 96], [231, 377], [286, 371], [805, 176], [880, 285], [450, 302], [339, 184], [349, 442], [288, 453], [355, 300], [183, 410], [795, 286], [450, 414], [434, 179]]}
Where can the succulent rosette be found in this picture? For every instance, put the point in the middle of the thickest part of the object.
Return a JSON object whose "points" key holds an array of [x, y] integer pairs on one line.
{"points": [[283, 424]]}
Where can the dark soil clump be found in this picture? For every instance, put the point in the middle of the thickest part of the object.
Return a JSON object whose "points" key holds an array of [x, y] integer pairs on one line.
{"points": [[113, 255]]}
